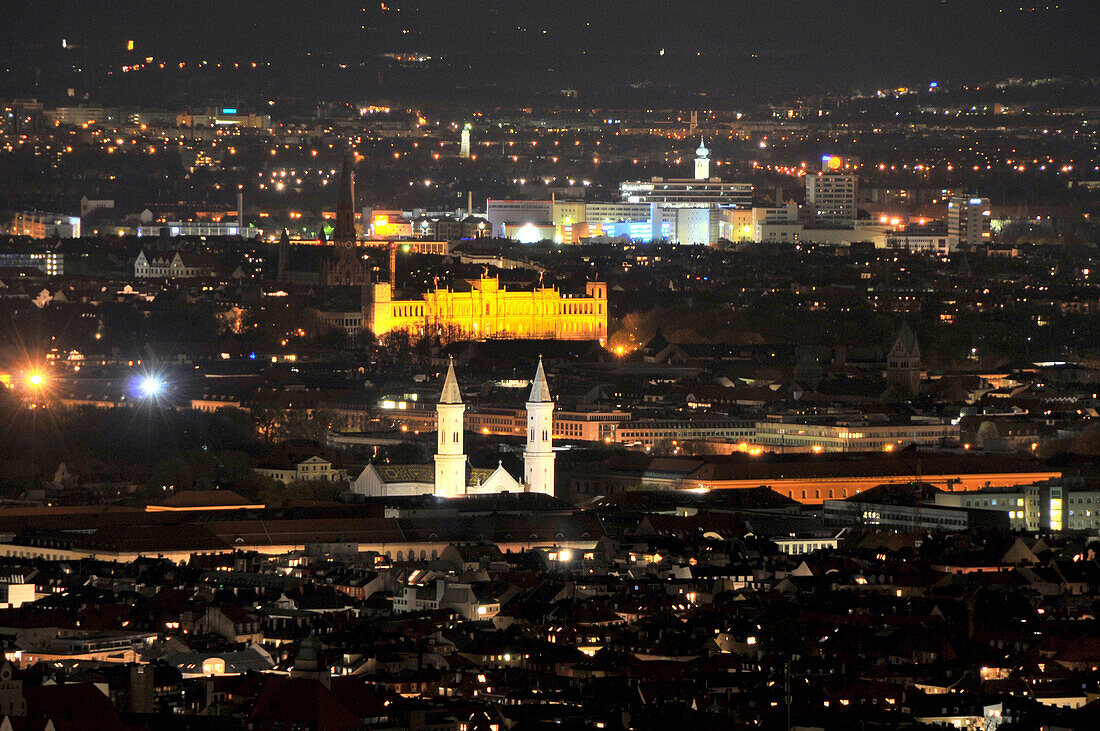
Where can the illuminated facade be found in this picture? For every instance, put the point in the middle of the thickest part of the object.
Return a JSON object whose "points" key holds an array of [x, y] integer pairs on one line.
{"points": [[831, 195], [481, 308], [452, 476], [968, 222]]}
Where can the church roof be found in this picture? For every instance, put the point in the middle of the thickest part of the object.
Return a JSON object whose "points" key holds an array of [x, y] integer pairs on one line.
{"points": [[421, 473], [451, 393], [906, 337], [425, 474], [540, 389]]}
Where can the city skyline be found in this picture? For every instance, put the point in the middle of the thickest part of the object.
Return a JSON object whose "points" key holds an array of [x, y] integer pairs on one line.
{"points": [[589, 366]]}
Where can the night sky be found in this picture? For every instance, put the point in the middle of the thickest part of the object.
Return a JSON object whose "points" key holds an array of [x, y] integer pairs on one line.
{"points": [[767, 46]]}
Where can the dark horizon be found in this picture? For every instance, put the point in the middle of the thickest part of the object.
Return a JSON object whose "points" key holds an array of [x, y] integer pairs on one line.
{"points": [[531, 48]]}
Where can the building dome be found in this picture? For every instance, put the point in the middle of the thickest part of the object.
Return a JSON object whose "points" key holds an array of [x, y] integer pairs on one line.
{"points": [[702, 150]]}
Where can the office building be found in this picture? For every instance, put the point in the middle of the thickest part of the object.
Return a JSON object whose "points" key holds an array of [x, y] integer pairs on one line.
{"points": [[199, 228], [967, 221], [831, 194], [43, 225], [50, 263], [687, 192]]}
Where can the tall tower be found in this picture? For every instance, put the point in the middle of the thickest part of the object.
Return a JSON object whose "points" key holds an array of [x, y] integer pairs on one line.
{"points": [[284, 257], [464, 146], [343, 266], [702, 162], [538, 457], [344, 233], [450, 458]]}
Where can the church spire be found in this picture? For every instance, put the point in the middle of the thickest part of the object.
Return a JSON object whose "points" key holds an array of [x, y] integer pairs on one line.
{"points": [[344, 233], [284, 256], [538, 457], [451, 392], [540, 389]]}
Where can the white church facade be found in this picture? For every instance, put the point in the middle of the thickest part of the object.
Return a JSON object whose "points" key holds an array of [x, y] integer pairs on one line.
{"points": [[451, 475]]}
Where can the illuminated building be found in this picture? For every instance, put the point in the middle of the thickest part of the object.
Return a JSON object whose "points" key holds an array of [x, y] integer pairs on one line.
{"points": [[464, 145], [778, 434], [702, 162], [42, 225], [831, 194], [502, 213], [736, 224], [1056, 505], [920, 241], [574, 426], [538, 457], [690, 192], [224, 117], [450, 453], [481, 308], [174, 265], [649, 433], [50, 263], [389, 224], [199, 228], [452, 476], [967, 221]]}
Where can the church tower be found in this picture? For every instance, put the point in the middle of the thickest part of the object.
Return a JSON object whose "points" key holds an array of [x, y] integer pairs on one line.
{"points": [[342, 266], [284, 257], [702, 162], [538, 457], [903, 361], [450, 457], [344, 232]]}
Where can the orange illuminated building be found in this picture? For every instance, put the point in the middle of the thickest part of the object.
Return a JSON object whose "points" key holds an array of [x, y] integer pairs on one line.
{"points": [[482, 308], [813, 480]]}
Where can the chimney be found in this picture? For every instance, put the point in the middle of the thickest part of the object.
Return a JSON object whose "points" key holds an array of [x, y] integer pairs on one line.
{"points": [[240, 210]]}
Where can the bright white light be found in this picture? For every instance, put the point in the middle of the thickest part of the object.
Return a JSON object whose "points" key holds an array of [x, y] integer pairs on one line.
{"points": [[528, 234], [151, 386]]}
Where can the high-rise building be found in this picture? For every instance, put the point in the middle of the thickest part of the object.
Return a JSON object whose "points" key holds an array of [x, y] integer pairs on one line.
{"points": [[967, 221], [831, 194]]}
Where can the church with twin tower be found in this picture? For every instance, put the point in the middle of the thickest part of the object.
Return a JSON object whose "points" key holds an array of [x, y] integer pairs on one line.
{"points": [[452, 475], [451, 478]]}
